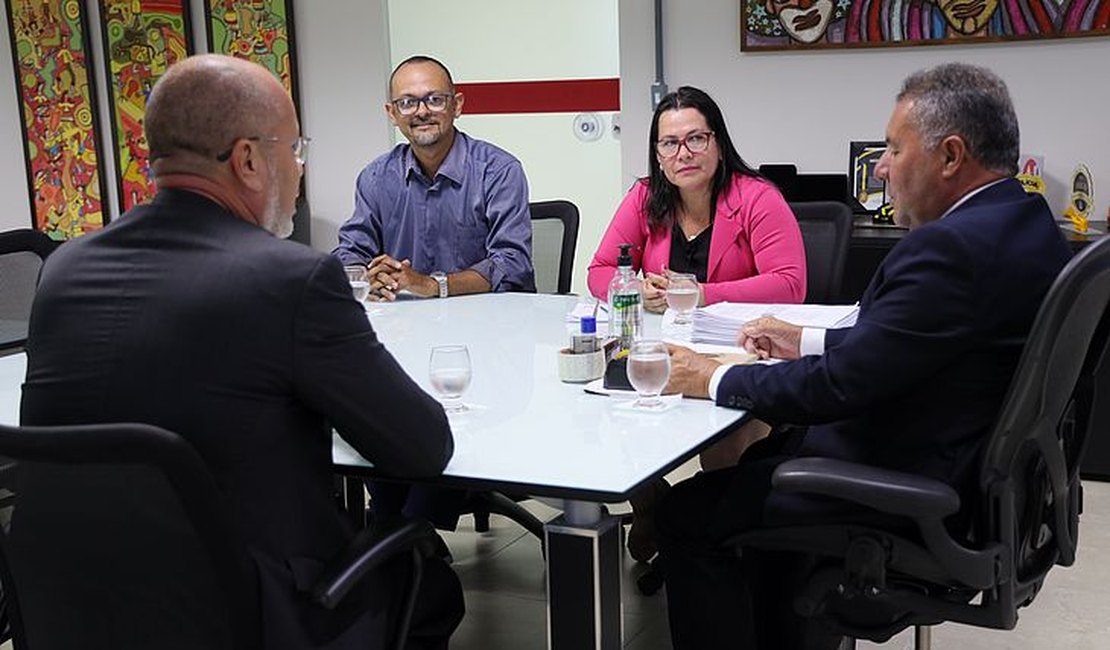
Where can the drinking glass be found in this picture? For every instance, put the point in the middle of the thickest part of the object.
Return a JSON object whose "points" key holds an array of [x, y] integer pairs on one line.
{"points": [[449, 371], [682, 296], [360, 284], [649, 367]]}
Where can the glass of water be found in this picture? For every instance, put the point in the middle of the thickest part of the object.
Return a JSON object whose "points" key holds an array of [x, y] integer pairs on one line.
{"points": [[649, 368], [360, 284], [682, 296], [449, 372]]}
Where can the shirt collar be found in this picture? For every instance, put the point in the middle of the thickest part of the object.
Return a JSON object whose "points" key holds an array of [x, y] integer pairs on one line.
{"points": [[453, 167], [967, 197]]}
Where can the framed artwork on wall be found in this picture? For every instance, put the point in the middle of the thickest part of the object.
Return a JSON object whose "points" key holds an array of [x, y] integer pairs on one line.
{"points": [[819, 24], [57, 107], [259, 31], [142, 38]]}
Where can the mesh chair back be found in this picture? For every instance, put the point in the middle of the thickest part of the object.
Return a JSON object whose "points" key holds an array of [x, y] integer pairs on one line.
{"points": [[1030, 467], [554, 239], [22, 253], [826, 228], [113, 536]]}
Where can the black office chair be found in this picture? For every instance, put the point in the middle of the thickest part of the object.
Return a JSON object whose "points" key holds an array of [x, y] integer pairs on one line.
{"points": [[152, 561], [554, 238], [483, 504], [22, 253], [826, 229], [1096, 459], [919, 567]]}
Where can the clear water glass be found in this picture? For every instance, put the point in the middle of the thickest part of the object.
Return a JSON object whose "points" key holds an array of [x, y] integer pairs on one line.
{"points": [[649, 368], [360, 284], [682, 296], [449, 373]]}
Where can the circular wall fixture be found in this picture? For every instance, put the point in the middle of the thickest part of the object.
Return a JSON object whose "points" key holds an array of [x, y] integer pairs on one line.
{"points": [[587, 127]]}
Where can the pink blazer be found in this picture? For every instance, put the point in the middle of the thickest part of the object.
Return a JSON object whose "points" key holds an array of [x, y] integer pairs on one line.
{"points": [[755, 249]]}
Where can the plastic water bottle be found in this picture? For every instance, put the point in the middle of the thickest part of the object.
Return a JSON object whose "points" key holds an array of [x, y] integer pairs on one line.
{"points": [[626, 303]]}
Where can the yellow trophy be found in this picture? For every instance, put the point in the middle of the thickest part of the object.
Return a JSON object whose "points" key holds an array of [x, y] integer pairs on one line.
{"points": [[1082, 200]]}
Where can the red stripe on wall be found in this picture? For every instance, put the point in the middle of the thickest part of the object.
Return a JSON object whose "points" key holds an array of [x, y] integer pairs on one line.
{"points": [[559, 96]]}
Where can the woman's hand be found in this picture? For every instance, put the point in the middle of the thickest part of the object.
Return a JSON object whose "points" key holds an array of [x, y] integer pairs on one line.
{"points": [[655, 293]]}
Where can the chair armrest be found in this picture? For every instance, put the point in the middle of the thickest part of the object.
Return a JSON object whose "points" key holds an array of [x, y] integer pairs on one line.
{"points": [[371, 548], [889, 491]]}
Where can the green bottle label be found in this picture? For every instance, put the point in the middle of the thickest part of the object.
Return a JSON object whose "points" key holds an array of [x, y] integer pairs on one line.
{"points": [[624, 311], [625, 301]]}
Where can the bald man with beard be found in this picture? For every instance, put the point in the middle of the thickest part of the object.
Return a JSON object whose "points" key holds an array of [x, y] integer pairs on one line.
{"points": [[193, 313]]}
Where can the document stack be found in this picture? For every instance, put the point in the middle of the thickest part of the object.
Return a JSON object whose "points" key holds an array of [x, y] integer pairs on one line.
{"points": [[719, 324]]}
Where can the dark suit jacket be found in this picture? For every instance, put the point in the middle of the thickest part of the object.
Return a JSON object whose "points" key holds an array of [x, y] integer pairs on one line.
{"points": [[181, 315], [916, 384]]}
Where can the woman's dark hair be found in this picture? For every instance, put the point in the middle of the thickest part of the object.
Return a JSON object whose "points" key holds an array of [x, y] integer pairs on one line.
{"points": [[663, 197]]}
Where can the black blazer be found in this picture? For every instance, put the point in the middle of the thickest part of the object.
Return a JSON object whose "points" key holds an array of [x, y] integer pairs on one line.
{"points": [[183, 316], [916, 384]]}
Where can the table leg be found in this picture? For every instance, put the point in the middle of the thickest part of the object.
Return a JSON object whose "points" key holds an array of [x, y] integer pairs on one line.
{"points": [[583, 579]]}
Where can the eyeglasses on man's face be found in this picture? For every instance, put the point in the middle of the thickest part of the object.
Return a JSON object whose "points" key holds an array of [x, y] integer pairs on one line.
{"points": [[408, 105], [695, 142], [299, 146]]}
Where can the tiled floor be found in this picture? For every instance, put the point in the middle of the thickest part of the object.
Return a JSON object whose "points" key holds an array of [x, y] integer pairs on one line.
{"points": [[502, 573]]}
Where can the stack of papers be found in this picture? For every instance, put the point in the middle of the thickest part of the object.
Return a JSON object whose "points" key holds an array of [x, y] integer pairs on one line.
{"points": [[720, 323]]}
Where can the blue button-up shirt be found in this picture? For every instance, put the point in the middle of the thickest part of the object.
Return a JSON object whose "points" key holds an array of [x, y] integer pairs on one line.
{"points": [[472, 215]]}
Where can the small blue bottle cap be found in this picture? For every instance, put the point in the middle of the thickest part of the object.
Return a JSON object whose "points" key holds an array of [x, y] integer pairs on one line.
{"points": [[588, 325]]}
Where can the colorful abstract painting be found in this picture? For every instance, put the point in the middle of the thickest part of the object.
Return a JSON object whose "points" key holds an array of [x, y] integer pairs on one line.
{"points": [[58, 109], [256, 30], [142, 38], [816, 24]]}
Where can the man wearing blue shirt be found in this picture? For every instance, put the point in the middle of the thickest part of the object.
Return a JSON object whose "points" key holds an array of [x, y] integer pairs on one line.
{"points": [[445, 214]]}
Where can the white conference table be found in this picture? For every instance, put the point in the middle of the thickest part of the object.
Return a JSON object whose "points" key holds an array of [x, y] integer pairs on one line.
{"points": [[533, 434], [529, 432]]}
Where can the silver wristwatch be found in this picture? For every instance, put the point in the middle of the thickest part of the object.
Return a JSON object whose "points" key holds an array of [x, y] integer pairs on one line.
{"points": [[441, 279]]}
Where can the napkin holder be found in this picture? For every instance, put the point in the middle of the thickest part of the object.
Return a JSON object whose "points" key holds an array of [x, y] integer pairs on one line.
{"points": [[581, 367]]}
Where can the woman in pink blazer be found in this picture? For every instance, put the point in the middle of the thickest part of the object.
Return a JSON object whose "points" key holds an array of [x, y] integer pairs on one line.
{"points": [[703, 210]]}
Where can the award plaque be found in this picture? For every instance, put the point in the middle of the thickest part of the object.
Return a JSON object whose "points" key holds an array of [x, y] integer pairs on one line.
{"points": [[1082, 200], [867, 192]]}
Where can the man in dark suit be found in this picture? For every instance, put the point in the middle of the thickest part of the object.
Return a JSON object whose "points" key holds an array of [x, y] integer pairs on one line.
{"points": [[915, 385], [192, 313]]}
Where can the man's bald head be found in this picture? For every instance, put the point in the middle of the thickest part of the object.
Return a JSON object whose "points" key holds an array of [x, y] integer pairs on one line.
{"points": [[204, 103]]}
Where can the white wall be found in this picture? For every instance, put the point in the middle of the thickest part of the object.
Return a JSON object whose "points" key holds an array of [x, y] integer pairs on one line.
{"points": [[781, 107], [805, 107], [342, 52], [508, 40]]}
